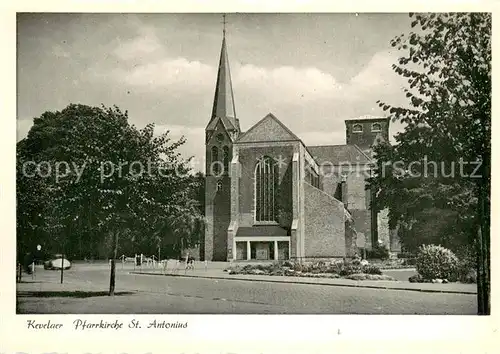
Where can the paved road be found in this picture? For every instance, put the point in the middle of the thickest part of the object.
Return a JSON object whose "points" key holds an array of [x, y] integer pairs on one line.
{"points": [[139, 294]]}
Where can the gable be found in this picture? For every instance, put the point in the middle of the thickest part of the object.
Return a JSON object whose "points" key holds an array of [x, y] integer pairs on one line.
{"points": [[217, 129], [268, 129]]}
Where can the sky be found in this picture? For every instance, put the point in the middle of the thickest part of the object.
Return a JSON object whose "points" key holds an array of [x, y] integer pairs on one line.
{"points": [[312, 71]]}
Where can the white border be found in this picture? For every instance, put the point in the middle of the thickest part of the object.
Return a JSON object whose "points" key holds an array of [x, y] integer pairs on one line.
{"points": [[239, 334]]}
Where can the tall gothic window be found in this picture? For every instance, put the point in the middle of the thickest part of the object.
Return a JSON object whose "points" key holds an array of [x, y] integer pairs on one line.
{"points": [[225, 153], [215, 153], [266, 183], [215, 165]]}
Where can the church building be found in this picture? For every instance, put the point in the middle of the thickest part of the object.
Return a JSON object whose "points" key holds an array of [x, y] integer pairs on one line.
{"points": [[271, 197]]}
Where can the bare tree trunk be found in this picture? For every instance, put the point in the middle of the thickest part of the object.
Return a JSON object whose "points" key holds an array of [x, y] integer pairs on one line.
{"points": [[20, 275], [483, 257], [62, 260], [62, 268], [483, 239], [113, 266]]}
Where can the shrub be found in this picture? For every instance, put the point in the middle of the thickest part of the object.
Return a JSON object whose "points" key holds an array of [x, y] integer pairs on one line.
{"points": [[371, 269], [416, 278], [357, 276], [378, 252], [302, 267], [436, 262], [356, 260], [409, 261], [405, 255], [467, 271], [467, 276], [349, 268]]}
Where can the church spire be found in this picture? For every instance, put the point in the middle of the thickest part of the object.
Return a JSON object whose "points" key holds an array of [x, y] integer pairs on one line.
{"points": [[223, 106]]}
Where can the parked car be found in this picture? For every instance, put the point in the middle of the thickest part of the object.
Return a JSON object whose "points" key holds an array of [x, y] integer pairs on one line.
{"points": [[57, 262]]}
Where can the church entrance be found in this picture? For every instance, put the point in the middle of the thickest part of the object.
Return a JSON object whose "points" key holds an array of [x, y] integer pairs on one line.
{"points": [[262, 250]]}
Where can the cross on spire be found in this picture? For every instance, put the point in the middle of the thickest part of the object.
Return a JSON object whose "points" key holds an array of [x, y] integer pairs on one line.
{"points": [[223, 106], [224, 22]]}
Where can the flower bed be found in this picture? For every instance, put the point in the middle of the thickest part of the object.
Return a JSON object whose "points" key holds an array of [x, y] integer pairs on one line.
{"points": [[395, 263], [355, 270]]}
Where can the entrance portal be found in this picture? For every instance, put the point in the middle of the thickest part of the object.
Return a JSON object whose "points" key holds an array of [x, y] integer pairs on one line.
{"points": [[262, 250]]}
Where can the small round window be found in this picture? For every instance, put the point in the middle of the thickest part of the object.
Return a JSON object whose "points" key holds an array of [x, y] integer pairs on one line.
{"points": [[220, 137]]}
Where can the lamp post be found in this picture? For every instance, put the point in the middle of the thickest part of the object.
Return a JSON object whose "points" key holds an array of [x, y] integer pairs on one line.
{"points": [[38, 248], [159, 250], [62, 266]]}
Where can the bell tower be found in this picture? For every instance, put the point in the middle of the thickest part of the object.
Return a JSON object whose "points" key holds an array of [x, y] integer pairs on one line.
{"points": [[367, 131], [222, 130]]}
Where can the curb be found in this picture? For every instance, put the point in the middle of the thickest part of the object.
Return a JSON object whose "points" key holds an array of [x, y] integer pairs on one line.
{"points": [[313, 283]]}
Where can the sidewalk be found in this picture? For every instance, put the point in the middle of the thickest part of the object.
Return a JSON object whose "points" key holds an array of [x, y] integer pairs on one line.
{"points": [[454, 288]]}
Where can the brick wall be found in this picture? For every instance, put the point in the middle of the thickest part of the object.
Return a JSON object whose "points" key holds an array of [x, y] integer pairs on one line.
{"points": [[329, 180], [356, 192], [209, 233], [222, 218], [217, 217], [324, 224], [367, 137], [362, 224], [217, 202]]}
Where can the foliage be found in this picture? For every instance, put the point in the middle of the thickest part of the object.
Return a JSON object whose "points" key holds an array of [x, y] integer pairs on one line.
{"points": [[32, 201], [338, 268], [372, 269], [467, 275], [348, 269], [467, 265], [437, 226], [409, 262], [436, 262], [113, 179], [416, 278], [364, 276], [446, 62], [378, 252]]}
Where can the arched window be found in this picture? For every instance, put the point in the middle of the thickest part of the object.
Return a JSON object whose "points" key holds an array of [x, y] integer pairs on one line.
{"points": [[215, 165], [215, 153], [225, 154], [357, 128], [219, 186], [376, 127], [266, 183]]}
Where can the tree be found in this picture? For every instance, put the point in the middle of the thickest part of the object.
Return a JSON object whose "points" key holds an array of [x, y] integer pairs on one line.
{"points": [[447, 64], [108, 177]]}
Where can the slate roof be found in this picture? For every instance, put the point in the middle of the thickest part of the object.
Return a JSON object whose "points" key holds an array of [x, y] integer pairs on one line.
{"points": [[223, 106], [338, 154], [262, 230], [225, 121]]}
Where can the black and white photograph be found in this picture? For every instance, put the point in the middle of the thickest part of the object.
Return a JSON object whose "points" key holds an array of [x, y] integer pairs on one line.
{"points": [[253, 163]]}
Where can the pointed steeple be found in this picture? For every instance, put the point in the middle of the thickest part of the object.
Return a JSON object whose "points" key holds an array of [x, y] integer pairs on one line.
{"points": [[223, 107]]}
